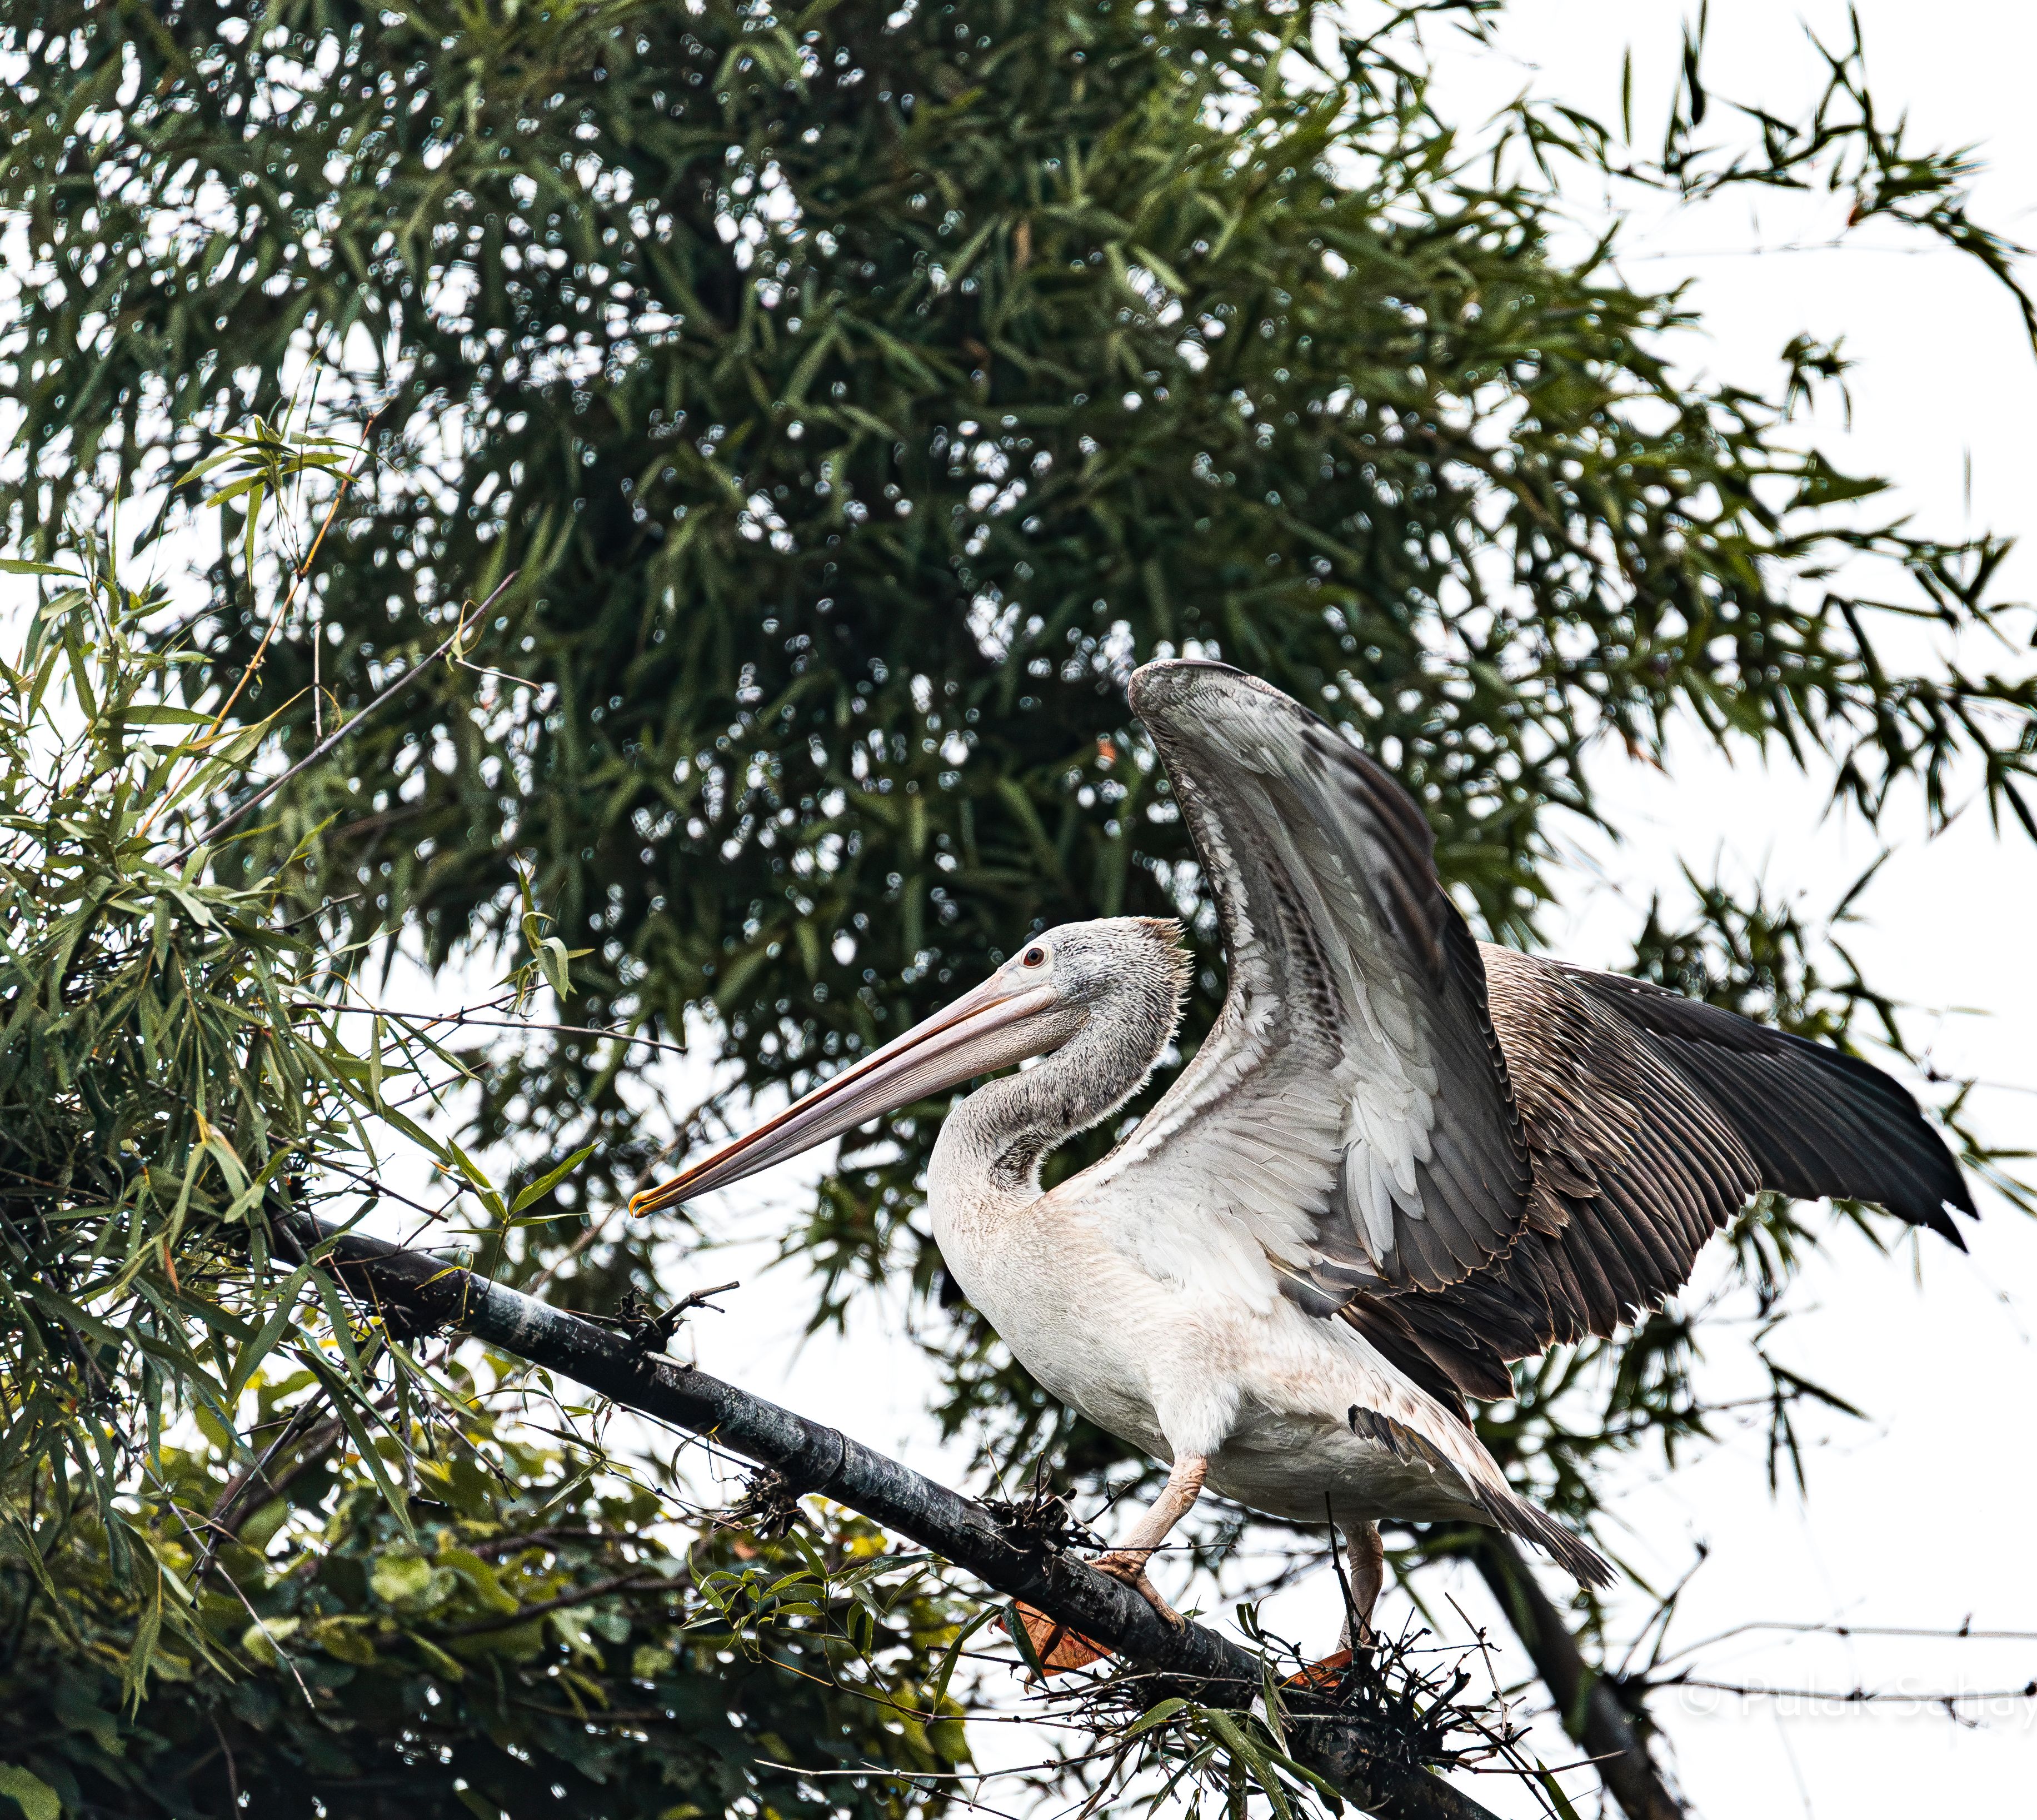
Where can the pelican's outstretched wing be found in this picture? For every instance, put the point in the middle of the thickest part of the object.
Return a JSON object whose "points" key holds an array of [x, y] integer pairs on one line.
{"points": [[1349, 1110], [1470, 1154], [1651, 1118]]}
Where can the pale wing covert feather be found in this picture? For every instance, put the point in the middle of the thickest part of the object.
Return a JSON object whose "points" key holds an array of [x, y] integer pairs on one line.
{"points": [[1351, 1105]]}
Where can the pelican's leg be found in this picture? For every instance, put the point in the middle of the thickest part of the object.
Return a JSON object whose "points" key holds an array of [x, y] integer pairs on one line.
{"points": [[1128, 1563], [1365, 1565], [1365, 1570]]}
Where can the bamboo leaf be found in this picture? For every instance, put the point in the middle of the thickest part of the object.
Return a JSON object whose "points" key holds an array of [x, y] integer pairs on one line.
{"points": [[545, 1184], [35, 1797]]}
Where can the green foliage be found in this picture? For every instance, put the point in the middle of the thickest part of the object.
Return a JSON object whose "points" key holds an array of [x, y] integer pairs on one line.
{"points": [[252, 1547], [172, 1072], [857, 397], [1847, 147], [530, 1644], [161, 1079]]}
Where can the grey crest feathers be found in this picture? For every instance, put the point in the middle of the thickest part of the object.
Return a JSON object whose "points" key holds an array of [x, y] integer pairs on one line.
{"points": [[1141, 953], [1130, 974]]}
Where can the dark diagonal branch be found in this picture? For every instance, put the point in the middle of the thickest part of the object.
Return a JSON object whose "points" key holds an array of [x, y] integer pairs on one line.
{"points": [[1587, 1703], [1369, 1762]]}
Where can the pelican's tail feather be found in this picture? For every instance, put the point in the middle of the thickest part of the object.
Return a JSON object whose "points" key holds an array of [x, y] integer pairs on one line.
{"points": [[1467, 1461], [1518, 1517]]}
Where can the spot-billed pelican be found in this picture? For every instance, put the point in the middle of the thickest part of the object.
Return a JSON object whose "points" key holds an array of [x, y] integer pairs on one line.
{"points": [[1401, 1158]]}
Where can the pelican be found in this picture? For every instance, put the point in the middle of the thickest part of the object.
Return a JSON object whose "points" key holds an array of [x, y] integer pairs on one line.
{"points": [[1401, 1159]]}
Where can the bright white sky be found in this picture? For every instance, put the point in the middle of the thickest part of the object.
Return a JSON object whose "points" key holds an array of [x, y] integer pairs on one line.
{"points": [[1913, 1514]]}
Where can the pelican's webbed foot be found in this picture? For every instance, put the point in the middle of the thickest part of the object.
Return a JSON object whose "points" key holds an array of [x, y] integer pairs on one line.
{"points": [[1128, 1567]]}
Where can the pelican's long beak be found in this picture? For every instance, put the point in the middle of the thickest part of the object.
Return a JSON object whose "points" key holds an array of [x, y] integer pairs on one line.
{"points": [[1003, 1021]]}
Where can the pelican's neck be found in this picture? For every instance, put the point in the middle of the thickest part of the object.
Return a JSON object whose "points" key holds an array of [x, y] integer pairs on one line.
{"points": [[990, 1147]]}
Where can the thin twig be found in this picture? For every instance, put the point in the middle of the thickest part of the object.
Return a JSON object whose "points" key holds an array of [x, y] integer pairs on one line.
{"points": [[326, 745], [428, 1018], [1858, 1696], [300, 1425], [226, 1751], [595, 1228], [488, 1546], [281, 613], [1804, 1627]]}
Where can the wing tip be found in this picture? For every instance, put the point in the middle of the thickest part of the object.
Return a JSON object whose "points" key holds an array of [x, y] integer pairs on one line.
{"points": [[1942, 1222], [1165, 682], [1906, 1165]]}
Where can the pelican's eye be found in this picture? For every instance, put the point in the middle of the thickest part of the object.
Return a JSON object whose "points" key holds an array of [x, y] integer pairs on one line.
{"points": [[1034, 957]]}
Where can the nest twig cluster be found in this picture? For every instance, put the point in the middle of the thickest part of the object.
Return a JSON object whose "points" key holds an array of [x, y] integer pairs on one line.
{"points": [[769, 1508], [1042, 1518], [1409, 1687]]}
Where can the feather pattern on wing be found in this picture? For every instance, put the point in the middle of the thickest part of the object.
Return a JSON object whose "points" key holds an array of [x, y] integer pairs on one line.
{"points": [[1651, 1119], [1816, 1120], [1468, 1153], [1351, 1107]]}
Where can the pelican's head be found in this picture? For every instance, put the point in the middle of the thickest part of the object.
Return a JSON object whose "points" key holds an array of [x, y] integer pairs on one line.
{"points": [[1124, 975]]}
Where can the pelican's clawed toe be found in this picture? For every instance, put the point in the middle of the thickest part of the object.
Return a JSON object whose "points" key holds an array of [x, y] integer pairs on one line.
{"points": [[1128, 1567]]}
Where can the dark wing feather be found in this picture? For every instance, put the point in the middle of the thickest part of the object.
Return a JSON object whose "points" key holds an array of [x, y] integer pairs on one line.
{"points": [[1351, 1107], [1651, 1118], [1817, 1120]]}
